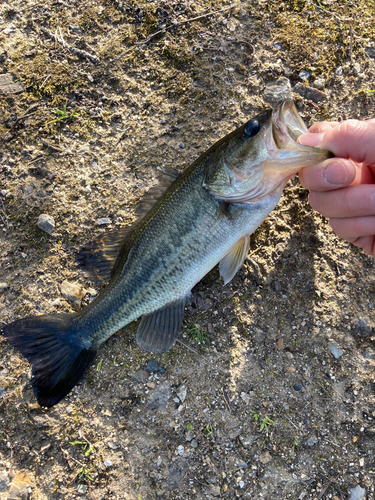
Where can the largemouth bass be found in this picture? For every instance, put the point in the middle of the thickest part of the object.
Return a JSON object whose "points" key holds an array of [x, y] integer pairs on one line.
{"points": [[204, 217]]}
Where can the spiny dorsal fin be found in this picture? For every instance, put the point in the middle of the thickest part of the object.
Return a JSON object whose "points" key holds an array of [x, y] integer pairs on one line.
{"points": [[97, 258], [158, 331], [165, 178], [234, 259]]}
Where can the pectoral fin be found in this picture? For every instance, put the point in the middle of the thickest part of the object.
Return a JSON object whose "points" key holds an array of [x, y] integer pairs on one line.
{"points": [[158, 331], [234, 259]]}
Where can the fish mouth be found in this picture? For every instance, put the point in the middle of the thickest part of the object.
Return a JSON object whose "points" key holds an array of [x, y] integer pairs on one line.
{"points": [[286, 127]]}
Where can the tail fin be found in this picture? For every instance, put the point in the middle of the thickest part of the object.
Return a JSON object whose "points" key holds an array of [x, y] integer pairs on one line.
{"points": [[59, 353]]}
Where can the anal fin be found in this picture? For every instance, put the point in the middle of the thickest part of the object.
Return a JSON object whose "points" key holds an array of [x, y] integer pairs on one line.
{"points": [[158, 331], [234, 259]]}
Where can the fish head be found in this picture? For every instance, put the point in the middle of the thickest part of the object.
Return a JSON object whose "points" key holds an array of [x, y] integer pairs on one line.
{"points": [[259, 158]]}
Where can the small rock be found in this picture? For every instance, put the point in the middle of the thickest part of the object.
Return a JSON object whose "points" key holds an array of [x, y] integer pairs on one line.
{"points": [[214, 490], [356, 68], [297, 387], [82, 489], [112, 445], [162, 122], [103, 221], [153, 367], [277, 46], [336, 351], [180, 450], [304, 75], [189, 435], [280, 344], [182, 145], [319, 83], [181, 393], [277, 286], [8, 85], [21, 484], [311, 442], [107, 463], [357, 493], [46, 223], [194, 443], [3, 286], [4, 480], [338, 71], [309, 93], [160, 397], [265, 457], [151, 385], [277, 91], [72, 292], [370, 50], [362, 328], [139, 375], [248, 440]]}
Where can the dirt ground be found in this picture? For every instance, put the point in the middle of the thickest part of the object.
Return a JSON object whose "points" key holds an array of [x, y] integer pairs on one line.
{"points": [[252, 403]]}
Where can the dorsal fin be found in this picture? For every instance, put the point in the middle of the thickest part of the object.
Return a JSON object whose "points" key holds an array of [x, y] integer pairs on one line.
{"points": [[165, 178], [97, 257]]}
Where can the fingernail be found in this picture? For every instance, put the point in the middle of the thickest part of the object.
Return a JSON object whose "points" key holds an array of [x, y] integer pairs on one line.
{"points": [[311, 139], [335, 174]]}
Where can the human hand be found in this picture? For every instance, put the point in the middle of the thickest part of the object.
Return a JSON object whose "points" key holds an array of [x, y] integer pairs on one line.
{"points": [[343, 188]]}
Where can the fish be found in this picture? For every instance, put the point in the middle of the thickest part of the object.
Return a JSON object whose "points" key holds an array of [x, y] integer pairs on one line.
{"points": [[204, 217]]}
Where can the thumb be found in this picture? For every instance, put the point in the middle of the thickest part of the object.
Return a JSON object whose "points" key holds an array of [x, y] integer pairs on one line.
{"points": [[352, 139]]}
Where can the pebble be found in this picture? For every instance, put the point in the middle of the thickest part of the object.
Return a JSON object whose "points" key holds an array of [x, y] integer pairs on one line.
{"points": [[277, 46], [4, 480], [338, 71], [103, 221], [214, 490], [319, 83], [153, 367], [162, 122], [139, 375], [370, 50], [265, 457], [107, 463], [46, 223], [312, 442], [181, 393], [297, 387], [72, 292], [182, 145], [180, 450], [362, 328], [336, 351], [309, 93], [304, 75], [356, 68], [277, 91], [3, 286], [82, 489], [112, 445], [357, 493], [160, 397], [194, 443]]}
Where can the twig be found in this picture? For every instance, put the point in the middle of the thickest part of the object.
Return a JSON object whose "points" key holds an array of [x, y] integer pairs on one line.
{"points": [[294, 425], [175, 25], [121, 138], [51, 146], [188, 347], [5, 215], [225, 399], [78, 52]]}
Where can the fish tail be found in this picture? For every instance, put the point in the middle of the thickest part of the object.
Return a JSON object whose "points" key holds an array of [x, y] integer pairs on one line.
{"points": [[60, 352]]}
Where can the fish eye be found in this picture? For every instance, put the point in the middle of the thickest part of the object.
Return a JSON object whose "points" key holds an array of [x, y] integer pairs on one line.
{"points": [[252, 128]]}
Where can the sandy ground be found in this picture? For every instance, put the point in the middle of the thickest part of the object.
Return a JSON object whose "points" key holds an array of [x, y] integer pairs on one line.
{"points": [[253, 403]]}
